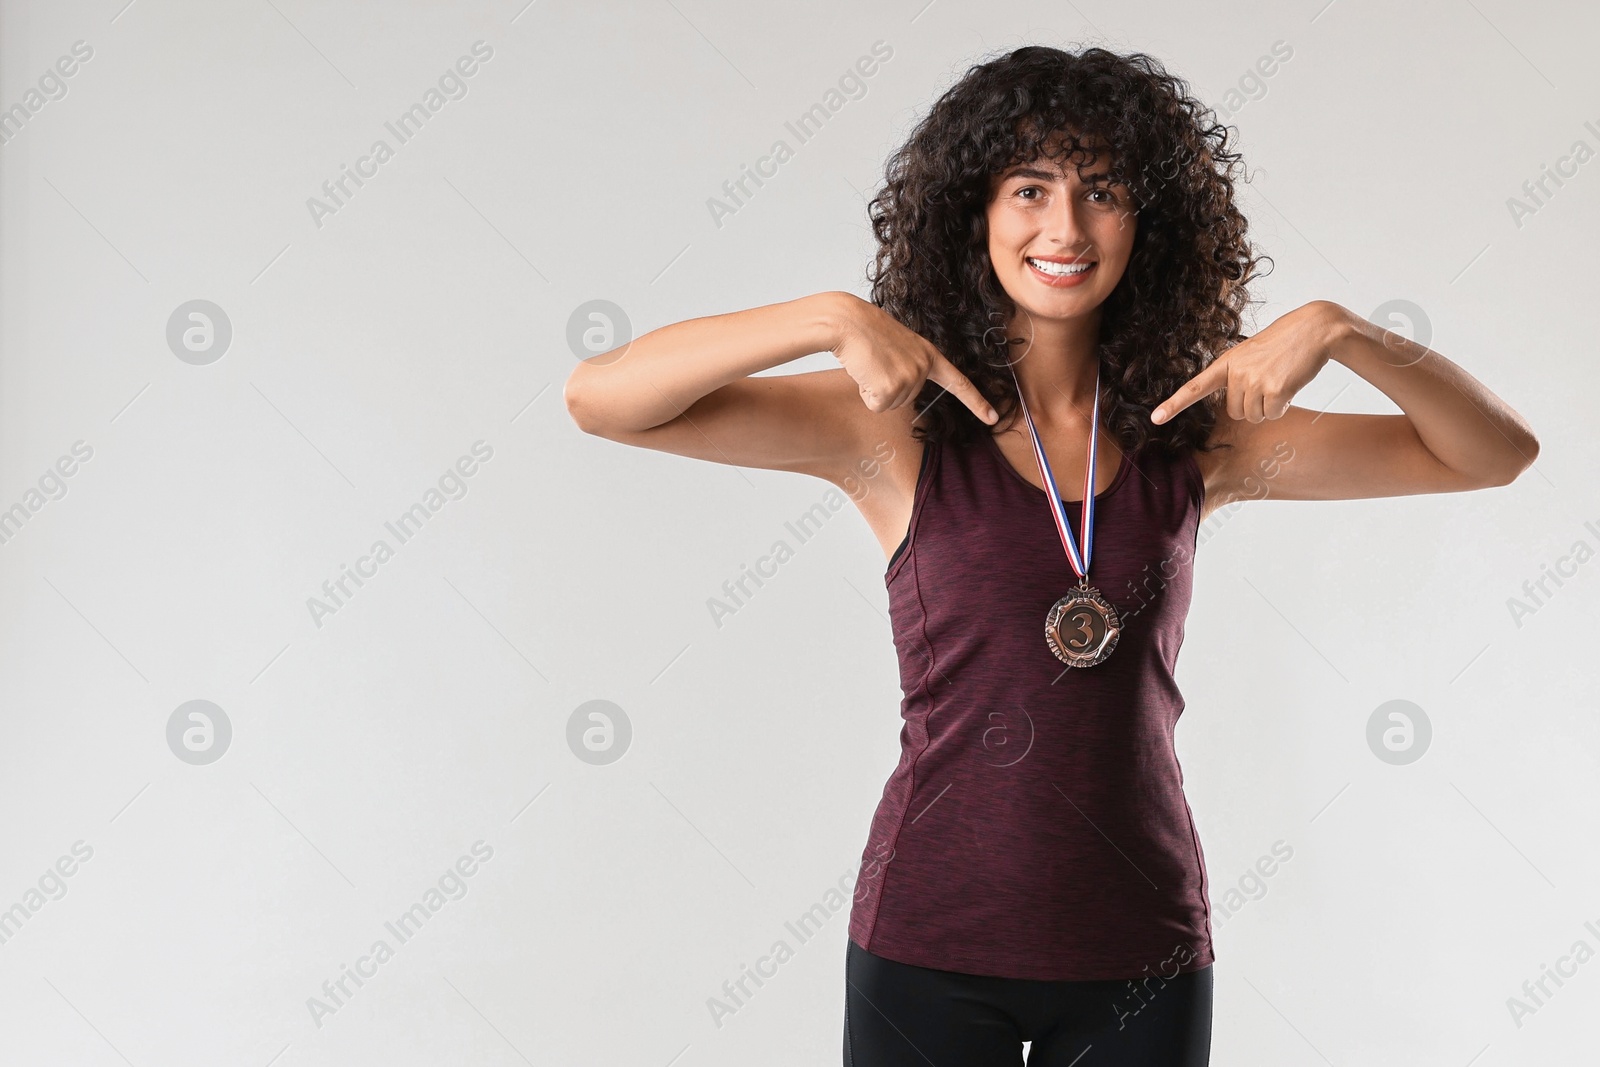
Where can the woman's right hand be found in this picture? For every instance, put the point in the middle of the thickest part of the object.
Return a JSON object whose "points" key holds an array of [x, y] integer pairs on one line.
{"points": [[889, 362]]}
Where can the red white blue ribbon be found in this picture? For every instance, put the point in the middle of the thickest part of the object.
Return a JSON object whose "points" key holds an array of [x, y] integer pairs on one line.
{"points": [[1080, 563]]}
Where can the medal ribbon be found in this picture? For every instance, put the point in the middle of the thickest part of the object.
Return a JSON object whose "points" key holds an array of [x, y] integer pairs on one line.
{"points": [[1080, 564]]}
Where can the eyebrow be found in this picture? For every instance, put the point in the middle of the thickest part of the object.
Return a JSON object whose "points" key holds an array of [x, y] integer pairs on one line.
{"points": [[1050, 176]]}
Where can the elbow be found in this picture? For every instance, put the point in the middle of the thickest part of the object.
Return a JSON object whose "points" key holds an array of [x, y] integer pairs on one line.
{"points": [[1525, 450], [579, 406], [601, 405], [1530, 452]]}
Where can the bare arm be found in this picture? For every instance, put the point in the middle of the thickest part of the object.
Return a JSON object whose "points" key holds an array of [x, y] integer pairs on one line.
{"points": [[1454, 435], [688, 387], [657, 376], [1467, 428]]}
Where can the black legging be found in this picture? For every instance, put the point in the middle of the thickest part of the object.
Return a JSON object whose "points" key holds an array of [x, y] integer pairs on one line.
{"points": [[897, 1015]]}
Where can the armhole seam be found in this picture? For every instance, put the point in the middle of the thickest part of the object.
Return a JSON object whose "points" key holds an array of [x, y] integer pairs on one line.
{"points": [[1197, 494], [1199, 479], [918, 496]]}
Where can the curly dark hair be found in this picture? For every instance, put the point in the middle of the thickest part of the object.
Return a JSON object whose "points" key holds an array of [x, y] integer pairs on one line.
{"points": [[1177, 306]]}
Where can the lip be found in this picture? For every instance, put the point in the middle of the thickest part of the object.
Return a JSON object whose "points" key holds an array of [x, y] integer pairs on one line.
{"points": [[1064, 281]]}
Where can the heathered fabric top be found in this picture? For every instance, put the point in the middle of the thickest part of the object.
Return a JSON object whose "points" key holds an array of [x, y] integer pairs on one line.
{"points": [[1035, 826]]}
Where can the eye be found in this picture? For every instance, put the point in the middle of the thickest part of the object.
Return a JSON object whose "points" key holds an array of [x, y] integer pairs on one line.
{"points": [[1030, 188], [1102, 190]]}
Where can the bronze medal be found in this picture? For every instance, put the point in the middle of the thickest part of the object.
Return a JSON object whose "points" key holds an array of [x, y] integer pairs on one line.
{"points": [[1082, 627]]}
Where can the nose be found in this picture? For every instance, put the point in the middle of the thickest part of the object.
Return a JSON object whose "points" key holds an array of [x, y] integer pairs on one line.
{"points": [[1062, 225]]}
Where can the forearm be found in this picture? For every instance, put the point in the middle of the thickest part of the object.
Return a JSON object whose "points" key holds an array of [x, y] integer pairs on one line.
{"points": [[1469, 428], [660, 374]]}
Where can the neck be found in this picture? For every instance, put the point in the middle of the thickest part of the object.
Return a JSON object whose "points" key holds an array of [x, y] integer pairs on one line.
{"points": [[1056, 368]]}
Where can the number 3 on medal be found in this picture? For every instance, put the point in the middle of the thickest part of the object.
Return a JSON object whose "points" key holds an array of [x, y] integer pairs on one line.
{"points": [[1083, 617]]}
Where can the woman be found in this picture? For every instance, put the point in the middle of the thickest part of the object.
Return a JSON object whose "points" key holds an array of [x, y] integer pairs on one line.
{"points": [[1058, 287]]}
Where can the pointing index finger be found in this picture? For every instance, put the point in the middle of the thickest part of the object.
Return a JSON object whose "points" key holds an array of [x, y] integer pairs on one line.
{"points": [[1208, 381], [944, 372]]}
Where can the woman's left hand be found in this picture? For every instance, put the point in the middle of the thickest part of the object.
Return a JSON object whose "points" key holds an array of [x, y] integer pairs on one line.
{"points": [[1263, 372]]}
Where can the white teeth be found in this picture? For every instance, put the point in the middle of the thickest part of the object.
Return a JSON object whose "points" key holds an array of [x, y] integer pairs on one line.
{"points": [[1060, 268]]}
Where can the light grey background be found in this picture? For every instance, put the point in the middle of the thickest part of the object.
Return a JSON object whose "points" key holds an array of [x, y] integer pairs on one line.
{"points": [[431, 711]]}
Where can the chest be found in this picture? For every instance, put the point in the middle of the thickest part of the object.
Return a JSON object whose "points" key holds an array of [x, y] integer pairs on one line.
{"points": [[988, 552]]}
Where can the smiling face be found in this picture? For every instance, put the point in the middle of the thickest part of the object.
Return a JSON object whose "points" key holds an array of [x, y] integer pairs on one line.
{"points": [[1059, 240]]}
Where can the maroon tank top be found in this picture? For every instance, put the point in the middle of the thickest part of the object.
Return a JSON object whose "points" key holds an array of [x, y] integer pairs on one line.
{"points": [[1035, 826]]}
